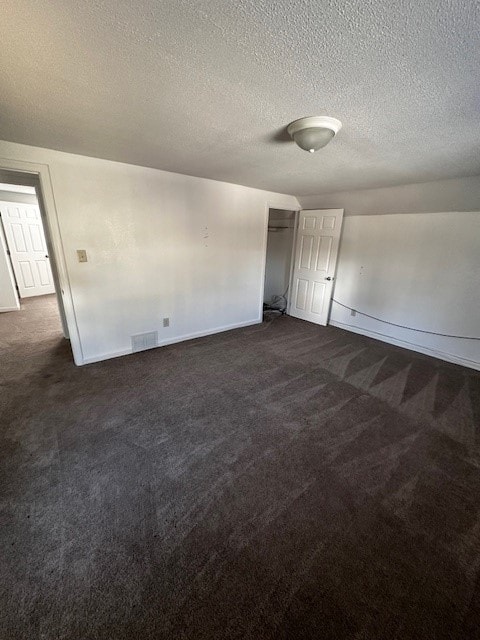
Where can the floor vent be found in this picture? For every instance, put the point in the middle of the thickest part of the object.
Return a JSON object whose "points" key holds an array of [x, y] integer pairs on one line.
{"points": [[143, 341]]}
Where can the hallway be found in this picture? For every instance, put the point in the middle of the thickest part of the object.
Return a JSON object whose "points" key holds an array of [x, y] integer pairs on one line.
{"points": [[30, 336]]}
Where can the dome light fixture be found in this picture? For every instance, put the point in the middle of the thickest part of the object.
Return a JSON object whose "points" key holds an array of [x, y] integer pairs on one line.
{"points": [[314, 132]]}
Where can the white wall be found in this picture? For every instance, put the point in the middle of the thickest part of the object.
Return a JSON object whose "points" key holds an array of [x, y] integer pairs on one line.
{"points": [[456, 194], [416, 270], [401, 260], [277, 273], [159, 245]]}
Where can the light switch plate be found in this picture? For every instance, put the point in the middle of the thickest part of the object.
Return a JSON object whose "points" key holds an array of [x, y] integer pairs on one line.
{"points": [[82, 255]]}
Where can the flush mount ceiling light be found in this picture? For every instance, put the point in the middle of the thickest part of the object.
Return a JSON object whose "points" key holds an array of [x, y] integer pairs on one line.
{"points": [[313, 133]]}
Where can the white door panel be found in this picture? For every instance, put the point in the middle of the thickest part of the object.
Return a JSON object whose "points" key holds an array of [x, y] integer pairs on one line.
{"points": [[28, 249], [301, 295], [315, 258]]}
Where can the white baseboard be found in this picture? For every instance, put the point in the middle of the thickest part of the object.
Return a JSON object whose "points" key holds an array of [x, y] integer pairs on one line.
{"points": [[105, 356], [174, 340], [448, 357], [209, 332], [5, 309]]}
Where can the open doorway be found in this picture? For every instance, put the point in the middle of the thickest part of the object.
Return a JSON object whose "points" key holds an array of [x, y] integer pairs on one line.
{"points": [[31, 305], [301, 258], [280, 244]]}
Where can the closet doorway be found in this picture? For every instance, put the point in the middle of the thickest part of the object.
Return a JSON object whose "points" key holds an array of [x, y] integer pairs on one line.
{"points": [[278, 266], [301, 258]]}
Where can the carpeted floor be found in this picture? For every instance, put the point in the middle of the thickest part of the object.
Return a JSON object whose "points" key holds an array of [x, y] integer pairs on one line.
{"points": [[284, 481]]}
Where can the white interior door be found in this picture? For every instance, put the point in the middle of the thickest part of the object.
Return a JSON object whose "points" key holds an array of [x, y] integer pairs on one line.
{"points": [[8, 292], [316, 250], [28, 249]]}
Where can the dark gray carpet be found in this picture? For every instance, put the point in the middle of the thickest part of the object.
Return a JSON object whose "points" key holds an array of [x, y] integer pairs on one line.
{"points": [[282, 481]]}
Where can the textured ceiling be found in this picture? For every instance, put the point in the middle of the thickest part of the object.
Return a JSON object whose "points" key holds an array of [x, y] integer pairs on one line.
{"points": [[206, 87]]}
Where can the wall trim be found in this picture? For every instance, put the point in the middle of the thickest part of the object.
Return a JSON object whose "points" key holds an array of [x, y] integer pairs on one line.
{"points": [[442, 355], [165, 343], [5, 309]]}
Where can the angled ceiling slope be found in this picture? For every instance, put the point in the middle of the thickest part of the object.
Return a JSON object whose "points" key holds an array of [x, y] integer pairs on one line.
{"points": [[207, 88]]}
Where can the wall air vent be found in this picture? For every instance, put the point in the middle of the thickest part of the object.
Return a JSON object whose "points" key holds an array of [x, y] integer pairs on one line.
{"points": [[143, 341]]}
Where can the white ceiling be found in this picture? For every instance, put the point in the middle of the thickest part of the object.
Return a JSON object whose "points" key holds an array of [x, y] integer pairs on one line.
{"points": [[206, 87]]}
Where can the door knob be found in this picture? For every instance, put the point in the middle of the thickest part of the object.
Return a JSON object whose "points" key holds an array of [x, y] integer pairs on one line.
{"points": [[46, 256], [328, 278]]}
